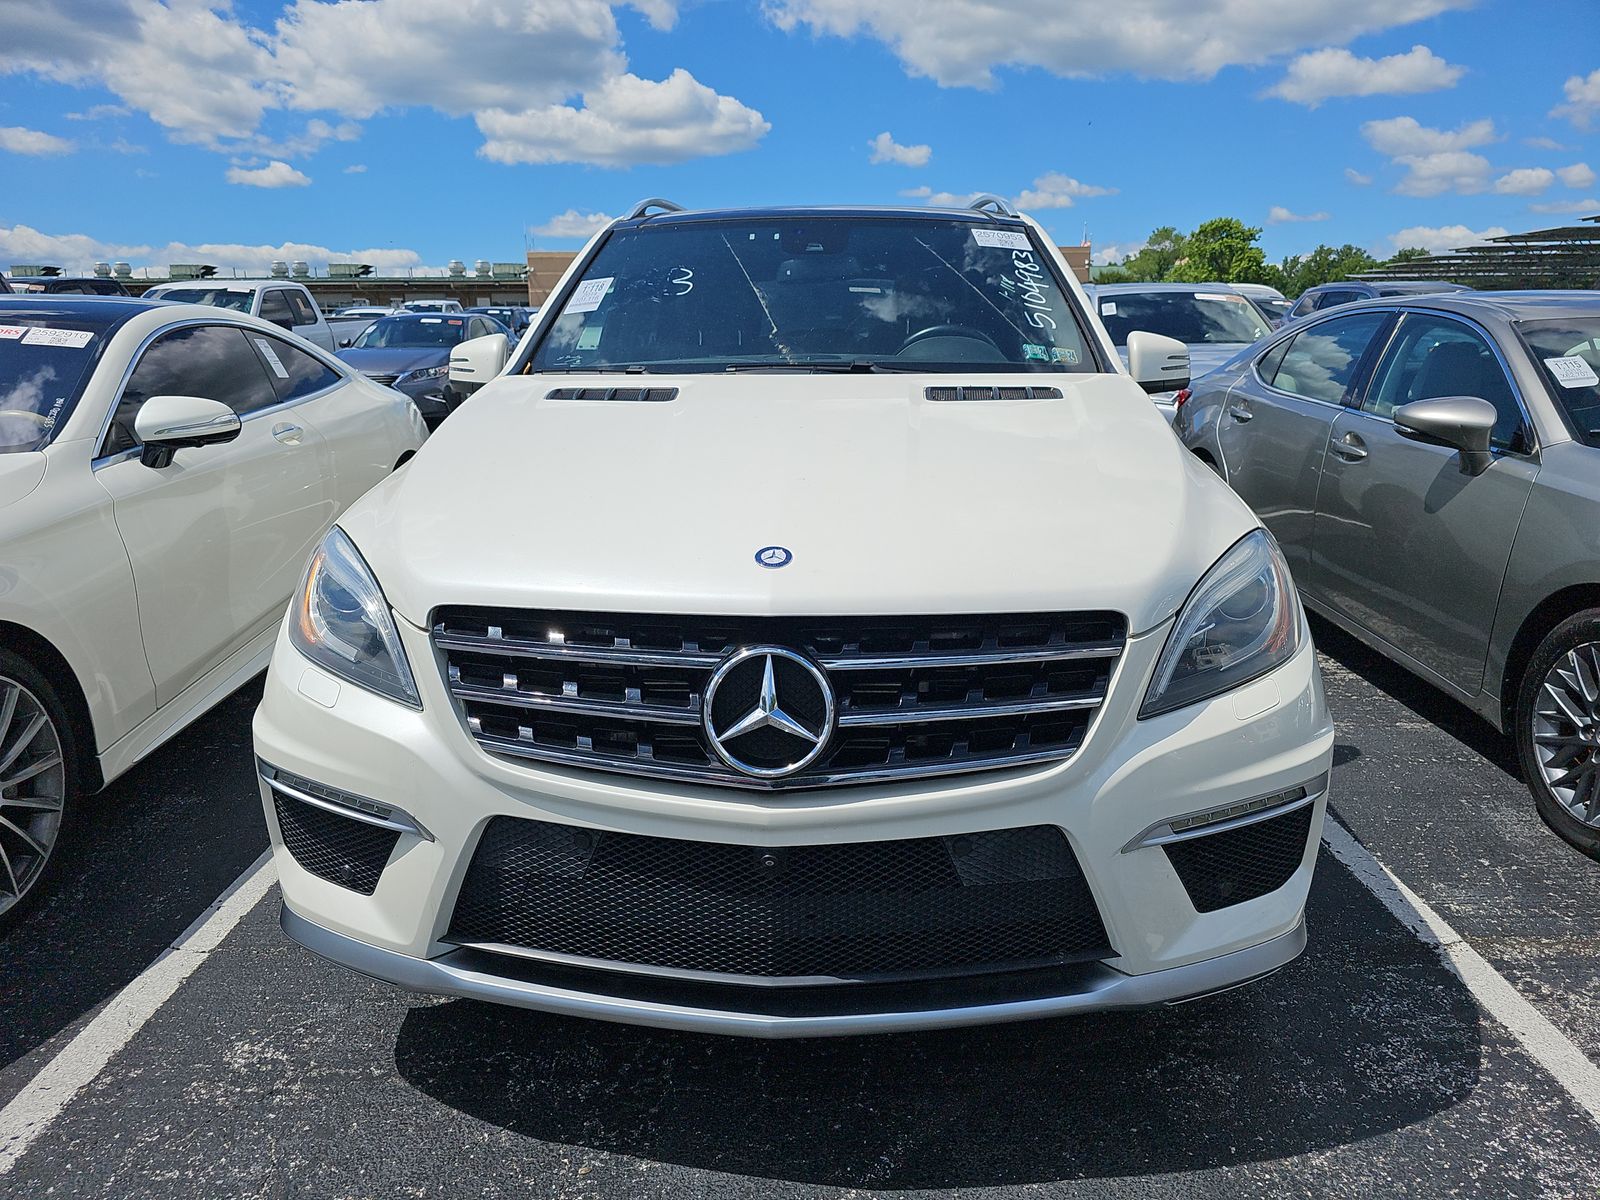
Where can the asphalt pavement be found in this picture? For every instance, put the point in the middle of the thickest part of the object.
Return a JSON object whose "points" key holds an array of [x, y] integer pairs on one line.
{"points": [[1366, 1068]]}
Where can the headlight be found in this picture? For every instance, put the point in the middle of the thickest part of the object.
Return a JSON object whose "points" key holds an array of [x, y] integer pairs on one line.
{"points": [[342, 623], [426, 373], [1242, 620]]}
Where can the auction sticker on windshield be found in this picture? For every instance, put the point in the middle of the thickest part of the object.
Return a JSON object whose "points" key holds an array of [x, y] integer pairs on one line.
{"points": [[1572, 372], [997, 239], [587, 295], [40, 336]]}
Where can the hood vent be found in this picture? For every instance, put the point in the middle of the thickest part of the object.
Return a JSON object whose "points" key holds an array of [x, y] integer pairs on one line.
{"points": [[657, 395], [1003, 392]]}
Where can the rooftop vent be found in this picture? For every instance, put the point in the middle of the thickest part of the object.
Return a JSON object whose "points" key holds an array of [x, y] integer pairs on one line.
{"points": [[280, 270]]}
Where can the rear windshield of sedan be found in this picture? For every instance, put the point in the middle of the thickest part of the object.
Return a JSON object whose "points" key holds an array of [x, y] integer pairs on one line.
{"points": [[1192, 317], [1568, 352], [216, 297], [44, 363], [390, 333], [906, 293]]}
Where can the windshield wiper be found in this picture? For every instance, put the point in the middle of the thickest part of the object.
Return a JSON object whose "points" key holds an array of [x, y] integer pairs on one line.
{"points": [[634, 369], [860, 366]]}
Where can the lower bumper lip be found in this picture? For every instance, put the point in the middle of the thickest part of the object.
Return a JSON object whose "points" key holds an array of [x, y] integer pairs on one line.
{"points": [[1101, 989]]}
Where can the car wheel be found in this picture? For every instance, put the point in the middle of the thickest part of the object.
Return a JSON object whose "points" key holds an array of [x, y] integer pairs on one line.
{"points": [[37, 761], [1558, 730]]}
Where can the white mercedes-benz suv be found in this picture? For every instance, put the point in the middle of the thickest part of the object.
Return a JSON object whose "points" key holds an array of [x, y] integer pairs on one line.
{"points": [[814, 628]]}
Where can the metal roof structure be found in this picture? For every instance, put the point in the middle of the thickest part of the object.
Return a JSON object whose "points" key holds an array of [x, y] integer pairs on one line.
{"points": [[1567, 256]]}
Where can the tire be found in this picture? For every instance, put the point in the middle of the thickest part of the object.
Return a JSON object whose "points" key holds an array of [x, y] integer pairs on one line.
{"points": [[1558, 730], [40, 776]]}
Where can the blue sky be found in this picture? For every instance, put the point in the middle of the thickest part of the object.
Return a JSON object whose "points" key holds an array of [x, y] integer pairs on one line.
{"points": [[416, 131]]}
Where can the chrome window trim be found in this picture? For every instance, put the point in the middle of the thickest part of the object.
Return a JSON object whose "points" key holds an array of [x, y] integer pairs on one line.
{"points": [[101, 459]]}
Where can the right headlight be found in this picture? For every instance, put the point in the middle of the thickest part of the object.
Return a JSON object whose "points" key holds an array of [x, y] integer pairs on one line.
{"points": [[1242, 620]]}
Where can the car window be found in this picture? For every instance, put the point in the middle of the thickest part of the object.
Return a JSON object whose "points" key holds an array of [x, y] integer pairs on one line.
{"points": [[217, 297], [294, 373], [1331, 299], [304, 314], [1434, 356], [389, 333], [1568, 353], [1268, 365], [275, 307], [214, 361], [46, 359], [1321, 361], [1191, 317]]}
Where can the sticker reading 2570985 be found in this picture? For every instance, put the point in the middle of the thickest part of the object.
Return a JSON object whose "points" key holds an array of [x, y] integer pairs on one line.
{"points": [[1572, 372], [1001, 239], [587, 295]]}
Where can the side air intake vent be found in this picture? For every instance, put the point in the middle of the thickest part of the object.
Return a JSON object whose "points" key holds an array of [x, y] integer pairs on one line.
{"points": [[1004, 392], [634, 395]]}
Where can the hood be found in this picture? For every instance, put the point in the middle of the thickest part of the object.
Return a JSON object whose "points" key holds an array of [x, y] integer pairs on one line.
{"points": [[1204, 357], [396, 360], [890, 503], [19, 475]]}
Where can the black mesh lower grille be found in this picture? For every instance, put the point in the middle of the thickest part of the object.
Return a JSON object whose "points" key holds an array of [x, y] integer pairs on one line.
{"points": [[1241, 864], [921, 907], [349, 853]]}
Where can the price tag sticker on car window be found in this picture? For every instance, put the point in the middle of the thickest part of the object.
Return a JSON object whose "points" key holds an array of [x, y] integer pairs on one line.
{"points": [[587, 295], [1001, 239], [1572, 372], [75, 339], [273, 360]]}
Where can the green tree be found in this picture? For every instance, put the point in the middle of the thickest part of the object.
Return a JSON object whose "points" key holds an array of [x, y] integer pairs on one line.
{"points": [[1410, 254], [1224, 250], [1325, 264], [1163, 250]]}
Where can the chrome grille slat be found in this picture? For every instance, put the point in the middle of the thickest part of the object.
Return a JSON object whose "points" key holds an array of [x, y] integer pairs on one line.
{"points": [[917, 696]]}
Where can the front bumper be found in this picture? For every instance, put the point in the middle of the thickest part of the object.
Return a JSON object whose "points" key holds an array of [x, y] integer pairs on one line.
{"points": [[1129, 780]]}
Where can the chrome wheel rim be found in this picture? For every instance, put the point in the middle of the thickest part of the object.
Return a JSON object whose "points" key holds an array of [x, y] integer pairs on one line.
{"points": [[1566, 732], [33, 788]]}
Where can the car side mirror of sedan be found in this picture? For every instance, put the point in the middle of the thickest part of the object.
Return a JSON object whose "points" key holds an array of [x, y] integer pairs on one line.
{"points": [[1157, 363], [479, 359], [1463, 423], [346, 343], [166, 424]]}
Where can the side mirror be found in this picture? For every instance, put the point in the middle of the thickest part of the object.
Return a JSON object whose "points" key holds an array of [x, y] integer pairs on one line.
{"points": [[1463, 423], [1157, 363], [346, 343], [479, 359], [166, 424]]}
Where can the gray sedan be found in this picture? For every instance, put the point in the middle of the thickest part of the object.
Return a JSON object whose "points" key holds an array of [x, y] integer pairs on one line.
{"points": [[1431, 468]]}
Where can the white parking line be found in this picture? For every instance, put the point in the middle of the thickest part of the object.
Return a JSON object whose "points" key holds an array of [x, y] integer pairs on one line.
{"points": [[1547, 1045], [39, 1102]]}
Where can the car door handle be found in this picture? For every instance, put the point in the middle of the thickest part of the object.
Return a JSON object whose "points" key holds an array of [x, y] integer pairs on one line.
{"points": [[1239, 413], [1350, 448], [289, 435]]}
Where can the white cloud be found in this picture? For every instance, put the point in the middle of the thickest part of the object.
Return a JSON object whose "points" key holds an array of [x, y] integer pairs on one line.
{"points": [[573, 224], [276, 174], [356, 169], [1589, 207], [962, 42], [1583, 99], [1525, 181], [1543, 143], [1354, 176], [1578, 175], [1441, 238], [1106, 255], [1055, 190], [1325, 74], [14, 139], [886, 150], [1406, 135], [1279, 215], [1447, 171], [101, 112], [627, 120], [935, 199]]}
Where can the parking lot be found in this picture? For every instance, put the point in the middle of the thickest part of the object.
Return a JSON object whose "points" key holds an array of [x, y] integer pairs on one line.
{"points": [[1368, 1067]]}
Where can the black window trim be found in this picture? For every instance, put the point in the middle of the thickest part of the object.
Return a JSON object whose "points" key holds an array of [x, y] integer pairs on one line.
{"points": [[1357, 380]]}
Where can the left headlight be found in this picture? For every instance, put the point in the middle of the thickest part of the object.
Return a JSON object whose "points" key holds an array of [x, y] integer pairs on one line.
{"points": [[342, 622], [427, 373], [1242, 620]]}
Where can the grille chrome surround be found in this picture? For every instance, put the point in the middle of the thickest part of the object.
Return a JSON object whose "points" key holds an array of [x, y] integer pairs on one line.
{"points": [[387, 379], [917, 696]]}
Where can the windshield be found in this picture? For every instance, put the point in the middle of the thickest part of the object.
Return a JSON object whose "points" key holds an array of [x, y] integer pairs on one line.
{"points": [[889, 293], [389, 333], [44, 363], [216, 297], [1568, 352], [1192, 317]]}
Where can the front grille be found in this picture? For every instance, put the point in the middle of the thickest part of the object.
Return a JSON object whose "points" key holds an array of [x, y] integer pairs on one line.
{"points": [[349, 853], [867, 911], [1241, 864], [386, 380], [914, 696]]}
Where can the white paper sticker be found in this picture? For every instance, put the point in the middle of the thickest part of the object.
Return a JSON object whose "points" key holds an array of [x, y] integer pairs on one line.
{"points": [[587, 295], [77, 339], [1108, 309], [273, 360], [1001, 239], [11, 333], [433, 320], [1572, 372]]}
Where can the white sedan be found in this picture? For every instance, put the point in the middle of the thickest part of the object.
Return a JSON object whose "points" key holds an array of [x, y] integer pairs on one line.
{"points": [[165, 472]]}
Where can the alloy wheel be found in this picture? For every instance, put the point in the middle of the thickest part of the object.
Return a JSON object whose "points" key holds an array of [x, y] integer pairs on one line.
{"points": [[1566, 731], [33, 788]]}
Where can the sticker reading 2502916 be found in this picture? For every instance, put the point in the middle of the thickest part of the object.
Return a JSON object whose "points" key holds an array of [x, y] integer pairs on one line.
{"points": [[587, 295], [1001, 239], [1572, 372]]}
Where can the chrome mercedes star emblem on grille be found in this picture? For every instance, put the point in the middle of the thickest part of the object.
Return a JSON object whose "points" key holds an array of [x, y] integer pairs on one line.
{"points": [[768, 711]]}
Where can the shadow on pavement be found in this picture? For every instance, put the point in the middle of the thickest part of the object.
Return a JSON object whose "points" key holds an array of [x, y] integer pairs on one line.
{"points": [[1364, 1036], [142, 861]]}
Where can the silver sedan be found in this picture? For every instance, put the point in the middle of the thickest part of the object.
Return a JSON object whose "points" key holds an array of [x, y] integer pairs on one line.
{"points": [[1431, 468]]}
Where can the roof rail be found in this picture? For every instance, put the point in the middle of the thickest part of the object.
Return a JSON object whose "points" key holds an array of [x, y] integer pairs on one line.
{"points": [[989, 202], [643, 208]]}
